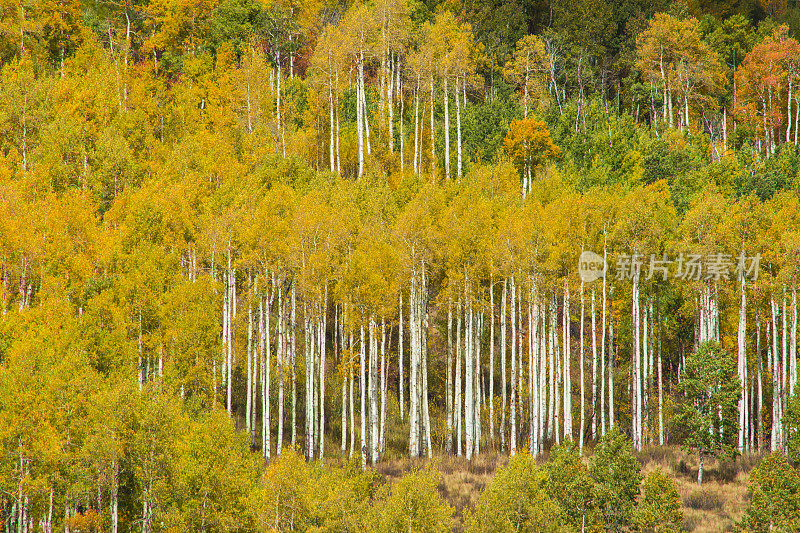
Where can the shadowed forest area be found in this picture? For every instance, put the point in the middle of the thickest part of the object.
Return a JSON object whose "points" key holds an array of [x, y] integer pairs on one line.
{"points": [[399, 265]]}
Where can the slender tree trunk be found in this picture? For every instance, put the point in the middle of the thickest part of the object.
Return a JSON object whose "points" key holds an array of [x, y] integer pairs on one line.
{"points": [[458, 378], [567, 366], [542, 370], [776, 392], [281, 339], [742, 362], [446, 95], [449, 385], [400, 368], [373, 394], [417, 162], [383, 384], [660, 387], [265, 382], [345, 365], [363, 389], [458, 129], [503, 345], [611, 360], [583, 379], [360, 116], [491, 358], [433, 135], [513, 416], [469, 393], [760, 404], [594, 370]]}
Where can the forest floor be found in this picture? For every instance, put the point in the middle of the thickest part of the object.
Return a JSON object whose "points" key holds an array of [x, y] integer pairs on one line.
{"points": [[715, 506]]}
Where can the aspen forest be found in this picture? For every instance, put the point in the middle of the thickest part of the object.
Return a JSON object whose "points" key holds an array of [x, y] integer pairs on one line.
{"points": [[399, 265]]}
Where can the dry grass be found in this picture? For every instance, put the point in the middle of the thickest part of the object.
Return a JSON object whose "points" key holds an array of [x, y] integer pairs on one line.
{"points": [[716, 506], [720, 502]]}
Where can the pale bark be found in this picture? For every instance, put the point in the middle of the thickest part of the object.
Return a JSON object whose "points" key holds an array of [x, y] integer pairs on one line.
{"points": [[459, 170], [742, 362], [400, 368], [491, 359], [513, 415], [595, 376], [433, 135], [363, 390], [567, 365], [382, 442], [582, 377], [457, 409], [503, 364], [446, 95], [611, 360], [449, 384]]}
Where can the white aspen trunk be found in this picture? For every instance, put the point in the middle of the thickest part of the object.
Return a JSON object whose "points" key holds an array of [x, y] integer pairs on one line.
{"points": [[400, 355], [503, 344], [645, 350], [265, 382], [513, 416], [793, 345], [611, 359], [491, 357], [345, 365], [637, 358], [402, 110], [760, 400], [414, 372], [360, 116], [309, 342], [552, 417], [323, 327], [278, 101], [478, 389], [649, 375], [542, 370], [789, 109], [742, 361], [567, 376], [521, 359], [458, 379], [785, 365], [776, 392], [338, 152], [390, 101], [433, 135], [660, 389], [373, 395], [459, 168], [249, 400], [582, 377], [232, 338], [594, 370], [332, 126], [446, 95], [281, 354], [469, 393], [533, 374], [449, 384], [558, 374], [293, 361], [351, 386], [417, 163], [363, 389], [424, 345], [383, 383]]}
